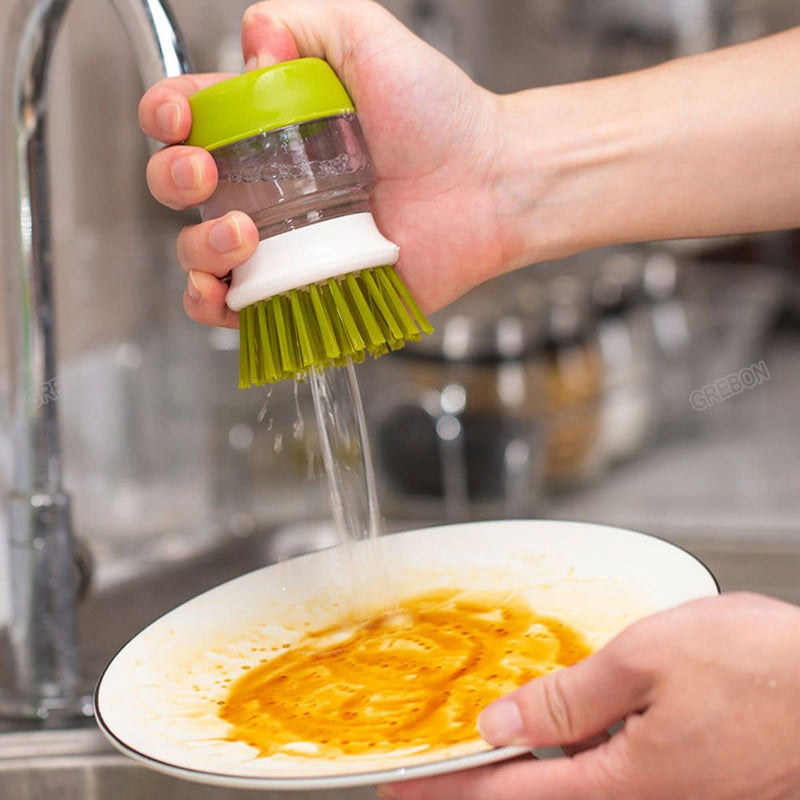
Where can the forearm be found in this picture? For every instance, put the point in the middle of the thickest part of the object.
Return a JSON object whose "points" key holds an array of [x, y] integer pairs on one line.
{"points": [[702, 146]]}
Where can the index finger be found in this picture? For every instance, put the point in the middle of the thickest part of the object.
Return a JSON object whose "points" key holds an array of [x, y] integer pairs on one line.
{"points": [[164, 112]]}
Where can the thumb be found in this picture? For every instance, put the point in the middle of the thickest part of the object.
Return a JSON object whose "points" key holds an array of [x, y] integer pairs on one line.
{"points": [[280, 30], [571, 704]]}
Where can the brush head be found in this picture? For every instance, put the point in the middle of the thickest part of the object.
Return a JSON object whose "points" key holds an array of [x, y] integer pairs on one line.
{"points": [[347, 317]]}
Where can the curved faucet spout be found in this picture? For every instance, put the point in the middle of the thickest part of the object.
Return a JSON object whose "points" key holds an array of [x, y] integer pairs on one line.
{"points": [[41, 553], [155, 36]]}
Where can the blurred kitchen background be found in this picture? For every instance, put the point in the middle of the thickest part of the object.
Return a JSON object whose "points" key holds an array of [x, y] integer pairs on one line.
{"points": [[567, 390]]}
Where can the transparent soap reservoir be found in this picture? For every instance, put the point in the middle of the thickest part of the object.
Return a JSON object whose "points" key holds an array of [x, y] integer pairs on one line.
{"points": [[295, 176]]}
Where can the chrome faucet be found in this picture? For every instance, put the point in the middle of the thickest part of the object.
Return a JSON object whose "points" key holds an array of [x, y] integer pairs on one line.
{"points": [[41, 549]]}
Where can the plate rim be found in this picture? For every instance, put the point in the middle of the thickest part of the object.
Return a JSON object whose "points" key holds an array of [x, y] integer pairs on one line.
{"points": [[325, 781], [361, 778]]}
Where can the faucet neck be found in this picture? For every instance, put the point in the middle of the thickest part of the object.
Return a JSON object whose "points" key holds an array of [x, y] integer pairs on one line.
{"points": [[34, 428], [157, 43], [40, 543]]}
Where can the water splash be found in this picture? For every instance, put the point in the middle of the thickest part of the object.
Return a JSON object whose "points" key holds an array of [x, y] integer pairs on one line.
{"points": [[265, 408], [299, 425]]}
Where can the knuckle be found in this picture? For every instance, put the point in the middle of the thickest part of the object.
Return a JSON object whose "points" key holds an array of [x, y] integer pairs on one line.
{"points": [[558, 708]]}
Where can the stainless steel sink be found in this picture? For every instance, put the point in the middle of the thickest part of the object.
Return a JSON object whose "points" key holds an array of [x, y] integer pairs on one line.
{"points": [[79, 765]]}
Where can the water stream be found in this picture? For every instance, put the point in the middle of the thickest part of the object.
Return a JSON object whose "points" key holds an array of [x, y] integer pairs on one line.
{"points": [[344, 445]]}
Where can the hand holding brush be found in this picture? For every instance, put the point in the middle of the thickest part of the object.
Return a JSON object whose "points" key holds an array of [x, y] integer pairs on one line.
{"points": [[401, 99]]}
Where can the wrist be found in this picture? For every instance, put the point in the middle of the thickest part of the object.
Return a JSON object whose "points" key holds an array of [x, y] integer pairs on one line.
{"points": [[567, 156]]}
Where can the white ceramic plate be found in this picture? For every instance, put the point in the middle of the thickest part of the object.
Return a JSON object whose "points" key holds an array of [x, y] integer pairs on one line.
{"points": [[157, 699]]}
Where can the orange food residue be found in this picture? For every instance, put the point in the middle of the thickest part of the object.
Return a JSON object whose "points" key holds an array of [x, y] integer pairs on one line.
{"points": [[414, 676]]}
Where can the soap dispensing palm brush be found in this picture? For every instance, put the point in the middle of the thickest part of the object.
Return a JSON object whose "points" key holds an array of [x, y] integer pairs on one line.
{"points": [[321, 287]]}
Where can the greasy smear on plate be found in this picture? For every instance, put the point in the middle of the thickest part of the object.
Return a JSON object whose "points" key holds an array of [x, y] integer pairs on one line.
{"points": [[414, 677]]}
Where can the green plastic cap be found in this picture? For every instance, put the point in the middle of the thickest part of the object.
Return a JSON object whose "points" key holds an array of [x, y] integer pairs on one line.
{"points": [[265, 100]]}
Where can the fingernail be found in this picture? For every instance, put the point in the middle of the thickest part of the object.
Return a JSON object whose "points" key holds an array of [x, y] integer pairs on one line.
{"points": [[186, 172], [501, 722], [260, 61], [168, 118], [225, 235], [191, 287]]}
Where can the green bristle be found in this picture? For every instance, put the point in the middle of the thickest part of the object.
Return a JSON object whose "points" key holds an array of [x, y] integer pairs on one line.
{"points": [[257, 334], [381, 315], [260, 370], [287, 362], [330, 345], [314, 334], [390, 331], [269, 368], [387, 314], [359, 357], [274, 341], [385, 290], [307, 355], [333, 322], [346, 347], [291, 329], [349, 345], [368, 325], [411, 304], [244, 361], [252, 346], [342, 309]]}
